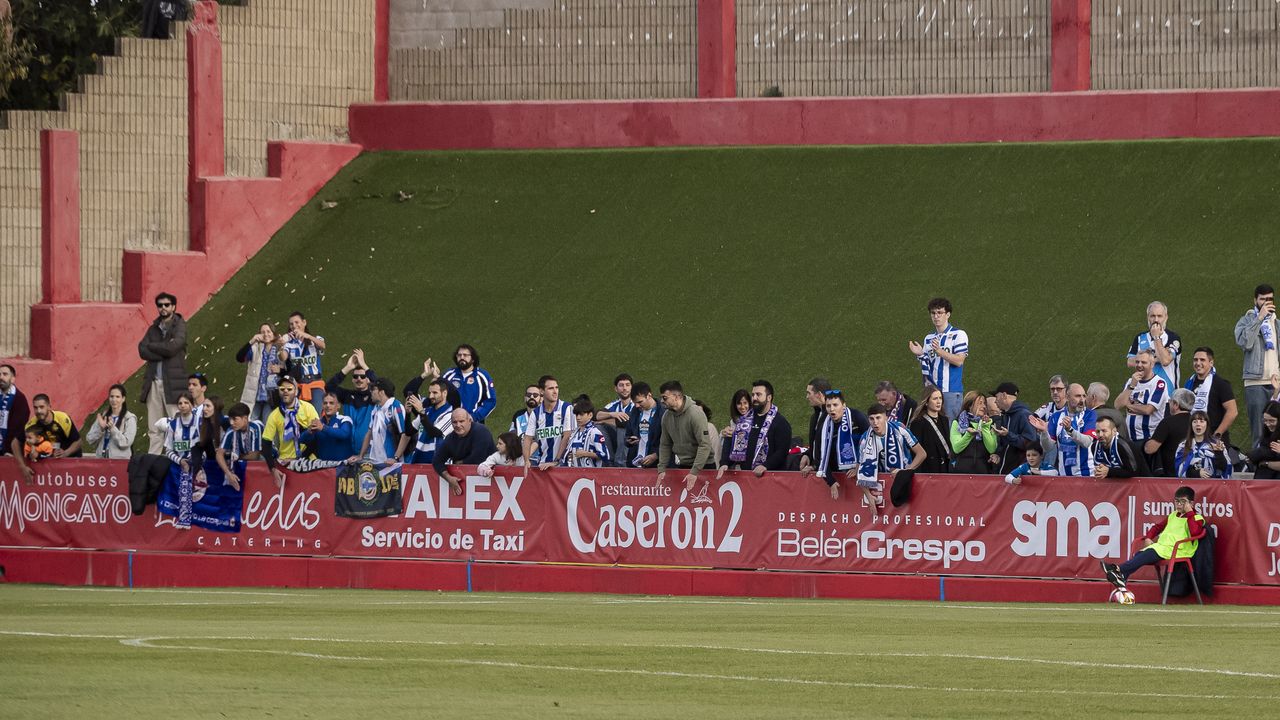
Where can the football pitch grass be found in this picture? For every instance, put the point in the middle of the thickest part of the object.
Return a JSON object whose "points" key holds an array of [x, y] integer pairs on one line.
{"points": [[177, 653]]}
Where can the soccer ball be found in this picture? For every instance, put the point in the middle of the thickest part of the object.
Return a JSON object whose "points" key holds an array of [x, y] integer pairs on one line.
{"points": [[1122, 596]]}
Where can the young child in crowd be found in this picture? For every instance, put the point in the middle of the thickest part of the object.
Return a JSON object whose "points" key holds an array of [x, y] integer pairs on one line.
{"points": [[1035, 465], [510, 452], [38, 446]]}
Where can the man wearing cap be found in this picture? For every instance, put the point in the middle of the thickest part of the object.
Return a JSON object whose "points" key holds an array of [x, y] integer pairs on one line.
{"points": [[1013, 428]]}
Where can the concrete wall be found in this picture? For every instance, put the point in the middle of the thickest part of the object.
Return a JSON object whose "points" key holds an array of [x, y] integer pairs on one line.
{"points": [[19, 236], [808, 48], [291, 68], [537, 49], [1139, 44]]}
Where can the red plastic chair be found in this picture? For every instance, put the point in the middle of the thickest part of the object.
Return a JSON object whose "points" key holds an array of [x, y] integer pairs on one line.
{"points": [[1164, 569]]}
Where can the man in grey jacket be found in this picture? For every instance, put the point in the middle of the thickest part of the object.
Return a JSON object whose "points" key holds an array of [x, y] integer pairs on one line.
{"points": [[685, 441], [1256, 335], [164, 349]]}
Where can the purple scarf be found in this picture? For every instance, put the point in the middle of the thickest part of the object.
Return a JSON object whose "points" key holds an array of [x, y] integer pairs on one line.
{"points": [[742, 433]]}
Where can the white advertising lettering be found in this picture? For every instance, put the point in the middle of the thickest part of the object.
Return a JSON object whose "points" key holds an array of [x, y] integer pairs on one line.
{"points": [[476, 502], [649, 526], [276, 514], [1033, 522], [19, 507]]}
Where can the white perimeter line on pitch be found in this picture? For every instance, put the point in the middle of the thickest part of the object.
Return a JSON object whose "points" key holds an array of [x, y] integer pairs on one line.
{"points": [[147, 643]]}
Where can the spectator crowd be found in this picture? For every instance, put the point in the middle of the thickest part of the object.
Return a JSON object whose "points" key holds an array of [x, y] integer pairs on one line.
{"points": [[1162, 422]]}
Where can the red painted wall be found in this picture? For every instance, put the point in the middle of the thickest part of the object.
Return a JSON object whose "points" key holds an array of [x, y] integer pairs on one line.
{"points": [[231, 219], [111, 569], [933, 119]]}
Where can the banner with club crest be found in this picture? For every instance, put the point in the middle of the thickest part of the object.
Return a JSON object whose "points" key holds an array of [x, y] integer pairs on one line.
{"points": [[368, 490]]}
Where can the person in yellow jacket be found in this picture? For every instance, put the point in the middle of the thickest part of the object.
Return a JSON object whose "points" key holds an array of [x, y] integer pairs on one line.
{"points": [[1182, 523]]}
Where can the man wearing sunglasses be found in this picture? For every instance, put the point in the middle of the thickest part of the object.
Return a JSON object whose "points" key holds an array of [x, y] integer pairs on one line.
{"points": [[356, 404], [164, 350]]}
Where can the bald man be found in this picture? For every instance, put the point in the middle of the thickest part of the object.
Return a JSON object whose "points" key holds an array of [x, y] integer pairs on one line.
{"points": [[1073, 430], [470, 444]]}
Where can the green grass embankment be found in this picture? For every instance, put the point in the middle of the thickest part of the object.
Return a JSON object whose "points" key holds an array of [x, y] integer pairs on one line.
{"points": [[718, 266]]}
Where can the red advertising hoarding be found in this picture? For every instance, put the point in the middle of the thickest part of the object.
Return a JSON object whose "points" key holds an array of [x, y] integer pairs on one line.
{"points": [[1053, 527]]}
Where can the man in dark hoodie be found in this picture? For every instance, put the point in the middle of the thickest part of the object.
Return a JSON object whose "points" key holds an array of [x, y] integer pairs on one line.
{"points": [[1014, 431]]}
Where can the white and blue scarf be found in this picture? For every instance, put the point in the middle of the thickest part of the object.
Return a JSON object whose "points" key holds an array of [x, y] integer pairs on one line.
{"points": [[846, 444], [587, 437], [6, 403], [1201, 456], [883, 453], [1202, 392]]}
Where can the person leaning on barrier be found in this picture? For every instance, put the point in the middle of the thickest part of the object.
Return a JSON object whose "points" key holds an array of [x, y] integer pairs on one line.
{"points": [[762, 437], [470, 443], [644, 428], [933, 429], [56, 426], [1113, 456], [685, 442]]}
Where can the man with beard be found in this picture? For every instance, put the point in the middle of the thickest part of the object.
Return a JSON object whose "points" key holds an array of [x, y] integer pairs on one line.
{"points": [[356, 404], [476, 391], [282, 434], [1073, 429], [14, 413], [433, 422], [762, 438], [612, 420], [520, 420], [54, 426], [1164, 344], [1256, 335], [1144, 398], [644, 428], [549, 426], [164, 350], [1113, 456]]}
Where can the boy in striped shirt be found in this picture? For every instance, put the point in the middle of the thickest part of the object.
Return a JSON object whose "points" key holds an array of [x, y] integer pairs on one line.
{"points": [[243, 442], [942, 356], [612, 420]]}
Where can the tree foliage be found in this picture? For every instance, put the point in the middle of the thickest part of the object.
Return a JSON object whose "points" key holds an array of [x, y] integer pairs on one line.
{"points": [[54, 43]]}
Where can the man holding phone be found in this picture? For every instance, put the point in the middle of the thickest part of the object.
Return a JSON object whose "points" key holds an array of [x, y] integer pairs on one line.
{"points": [[1256, 335]]}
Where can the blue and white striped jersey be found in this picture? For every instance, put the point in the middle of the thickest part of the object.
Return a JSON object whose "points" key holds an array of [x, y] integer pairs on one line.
{"points": [[1073, 458], [546, 427], [938, 372], [239, 443], [440, 419], [1150, 392], [587, 437], [385, 427]]}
